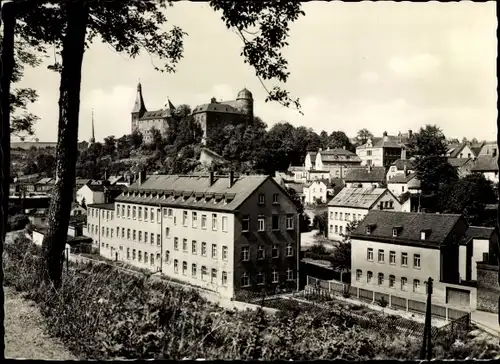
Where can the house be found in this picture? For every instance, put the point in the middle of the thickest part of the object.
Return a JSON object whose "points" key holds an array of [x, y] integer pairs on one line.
{"points": [[477, 241], [394, 253], [299, 173], [463, 150], [91, 194], [400, 184], [462, 165], [310, 161], [352, 204], [76, 242], [383, 152], [315, 192], [488, 288], [365, 177], [337, 162], [488, 166], [401, 167], [229, 234], [37, 217], [77, 210], [488, 149], [208, 156], [45, 184], [111, 192]]}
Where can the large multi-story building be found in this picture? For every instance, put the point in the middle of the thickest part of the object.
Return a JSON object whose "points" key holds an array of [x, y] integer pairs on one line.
{"points": [[227, 234], [394, 253], [383, 152], [336, 162]]}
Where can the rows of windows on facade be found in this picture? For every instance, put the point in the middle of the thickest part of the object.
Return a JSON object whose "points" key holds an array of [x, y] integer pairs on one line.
{"points": [[153, 215], [403, 261]]}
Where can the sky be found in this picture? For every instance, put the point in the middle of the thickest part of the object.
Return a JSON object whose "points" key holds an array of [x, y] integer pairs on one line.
{"points": [[384, 66]]}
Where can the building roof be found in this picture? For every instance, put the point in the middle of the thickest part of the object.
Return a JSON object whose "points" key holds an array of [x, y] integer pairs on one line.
{"points": [[312, 155], [104, 206], [44, 181], [401, 163], [115, 188], [297, 187], [296, 168], [82, 181], [477, 232], [96, 187], [363, 198], [458, 162], [157, 114], [338, 155], [217, 107], [410, 224], [113, 179], [386, 141], [212, 154], [194, 191], [310, 183], [485, 164], [455, 149], [376, 174], [476, 148], [402, 178]]}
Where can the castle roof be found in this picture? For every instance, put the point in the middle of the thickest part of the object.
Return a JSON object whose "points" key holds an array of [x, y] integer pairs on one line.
{"points": [[216, 107], [245, 94]]}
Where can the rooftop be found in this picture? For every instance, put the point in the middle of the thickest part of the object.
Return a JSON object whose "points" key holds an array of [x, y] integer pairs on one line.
{"points": [[477, 232], [401, 163], [485, 164], [338, 155], [410, 225], [217, 107], [363, 198], [375, 174], [402, 178], [458, 162], [386, 141], [104, 206]]}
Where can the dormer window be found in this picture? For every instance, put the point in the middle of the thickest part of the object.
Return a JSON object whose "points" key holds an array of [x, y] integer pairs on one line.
{"points": [[396, 230], [424, 234], [369, 229]]}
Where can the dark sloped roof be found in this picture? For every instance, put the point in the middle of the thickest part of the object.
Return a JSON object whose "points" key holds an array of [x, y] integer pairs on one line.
{"points": [[458, 162], [157, 114], [185, 187], [363, 198], [96, 188], [400, 164], [477, 232], [438, 226], [377, 174], [400, 178], [338, 155], [217, 107], [389, 141], [104, 206], [485, 164]]}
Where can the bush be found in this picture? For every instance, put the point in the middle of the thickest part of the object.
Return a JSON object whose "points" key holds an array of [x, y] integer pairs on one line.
{"points": [[17, 222]]}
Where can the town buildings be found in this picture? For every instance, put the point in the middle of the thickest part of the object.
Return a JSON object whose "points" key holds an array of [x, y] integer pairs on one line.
{"points": [[401, 167], [228, 234], [336, 162], [462, 165], [404, 183], [394, 253], [488, 166], [368, 176], [352, 205], [315, 192], [383, 152]]}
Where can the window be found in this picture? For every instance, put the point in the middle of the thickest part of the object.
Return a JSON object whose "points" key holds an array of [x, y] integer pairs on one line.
{"points": [[392, 281], [261, 252], [261, 223], [193, 247], [139, 256], [204, 249], [245, 253], [158, 215], [145, 257], [381, 278], [404, 284], [369, 254], [404, 259], [245, 280], [152, 238], [107, 246], [184, 218], [214, 221], [123, 210], [392, 257], [194, 218], [276, 198], [134, 211], [176, 243], [204, 273], [184, 268], [224, 252], [184, 245], [134, 235], [423, 235], [193, 270], [158, 239], [167, 232], [275, 276], [203, 221], [260, 278], [369, 276], [416, 261], [146, 214], [133, 254], [341, 229], [128, 234], [289, 250], [275, 222], [340, 216], [336, 229], [176, 266], [214, 275], [368, 153], [224, 278], [102, 231], [107, 232], [128, 212], [152, 215], [380, 256], [336, 216], [289, 222], [152, 260], [416, 286], [224, 223], [394, 232], [117, 211], [275, 253], [146, 237], [167, 256], [262, 199], [289, 274], [359, 274], [128, 253], [245, 223], [214, 251]]}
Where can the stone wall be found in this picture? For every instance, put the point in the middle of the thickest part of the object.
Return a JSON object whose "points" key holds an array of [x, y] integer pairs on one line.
{"points": [[488, 289]]}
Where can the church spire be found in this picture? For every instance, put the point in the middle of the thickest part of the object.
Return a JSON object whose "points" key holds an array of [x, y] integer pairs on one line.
{"points": [[92, 139], [139, 106]]}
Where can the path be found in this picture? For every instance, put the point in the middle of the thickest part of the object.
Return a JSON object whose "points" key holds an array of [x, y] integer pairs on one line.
{"points": [[25, 336]]}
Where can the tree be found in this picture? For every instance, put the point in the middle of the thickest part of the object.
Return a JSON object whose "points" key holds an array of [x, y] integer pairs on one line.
{"points": [[320, 222], [83, 203], [109, 146], [338, 139], [363, 136], [341, 257]]}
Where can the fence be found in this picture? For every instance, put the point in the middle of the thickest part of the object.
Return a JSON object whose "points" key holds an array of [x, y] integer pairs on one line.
{"points": [[335, 288]]}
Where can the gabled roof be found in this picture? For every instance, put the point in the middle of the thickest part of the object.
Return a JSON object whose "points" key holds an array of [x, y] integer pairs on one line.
{"points": [[401, 163], [96, 188], [485, 164], [185, 190], [399, 178], [338, 155], [411, 224], [309, 184], [113, 179], [104, 206], [157, 114], [363, 198], [217, 107], [296, 168], [476, 148], [458, 162], [376, 174], [477, 232], [455, 149], [387, 141], [44, 181], [82, 181]]}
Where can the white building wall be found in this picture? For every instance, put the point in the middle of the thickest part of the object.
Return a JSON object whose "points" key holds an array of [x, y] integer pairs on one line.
{"points": [[316, 190], [462, 263], [398, 188], [491, 176], [371, 156], [479, 246], [340, 217], [90, 196]]}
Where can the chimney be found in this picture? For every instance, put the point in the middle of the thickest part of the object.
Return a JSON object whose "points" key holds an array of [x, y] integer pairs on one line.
{"points": [[343, 147], [410, 134], [320, 150], [485, 257], [386, 138], [231, 178], [141, 177], [405, 171], [211, 179], [328, 148]]}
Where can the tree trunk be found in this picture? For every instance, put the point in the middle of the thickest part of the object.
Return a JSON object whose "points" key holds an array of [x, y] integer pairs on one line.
{"points": [[77, 12], [498, 220]]}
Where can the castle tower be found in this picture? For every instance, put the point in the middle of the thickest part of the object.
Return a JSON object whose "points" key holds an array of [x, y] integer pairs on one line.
{"points": [[244, 103], [92, 138], [139, 108]]}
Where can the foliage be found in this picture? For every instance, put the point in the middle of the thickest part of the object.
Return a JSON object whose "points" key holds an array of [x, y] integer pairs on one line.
{"points": [[363, 136], [17, 222], [320, 222]]}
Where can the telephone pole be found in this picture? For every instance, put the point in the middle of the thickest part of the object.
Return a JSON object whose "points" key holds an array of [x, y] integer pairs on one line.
{"points": [[426, 342]]}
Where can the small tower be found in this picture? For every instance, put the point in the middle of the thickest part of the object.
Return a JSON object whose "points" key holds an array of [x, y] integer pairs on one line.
{"points": [[139, 108], [244, 102], [92, 138]]}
